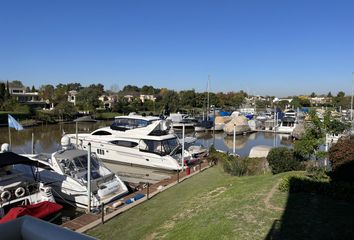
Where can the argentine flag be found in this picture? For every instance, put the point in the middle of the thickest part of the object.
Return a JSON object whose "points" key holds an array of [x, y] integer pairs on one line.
{"points": [[13, 123]]}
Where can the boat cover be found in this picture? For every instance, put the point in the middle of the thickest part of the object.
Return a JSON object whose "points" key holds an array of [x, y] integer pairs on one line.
{"points": [[38, 210], [10, 158]]}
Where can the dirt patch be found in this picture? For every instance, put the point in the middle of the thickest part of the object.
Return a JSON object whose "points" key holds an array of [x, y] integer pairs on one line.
{"points": [[215, 193], [269, 196]]}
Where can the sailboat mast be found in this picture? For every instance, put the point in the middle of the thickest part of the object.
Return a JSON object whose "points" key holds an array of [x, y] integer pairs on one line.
{"points": [[208, 101], [351, 105]]}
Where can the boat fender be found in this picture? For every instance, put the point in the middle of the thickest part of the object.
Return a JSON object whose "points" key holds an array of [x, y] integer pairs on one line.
{"points": [[5, 195], [139, 196], [129, 201], [20, 192]]}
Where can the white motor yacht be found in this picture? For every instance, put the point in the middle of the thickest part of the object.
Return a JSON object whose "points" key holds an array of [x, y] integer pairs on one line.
{"points": [[288, 123], [135, 140], [66, 172]]}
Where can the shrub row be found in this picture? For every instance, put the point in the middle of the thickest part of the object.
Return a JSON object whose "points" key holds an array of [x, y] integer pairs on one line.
{"points": [[300, 183]]}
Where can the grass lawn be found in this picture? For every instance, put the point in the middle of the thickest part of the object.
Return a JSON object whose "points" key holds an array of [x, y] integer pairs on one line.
{"points": [[214, 205]]}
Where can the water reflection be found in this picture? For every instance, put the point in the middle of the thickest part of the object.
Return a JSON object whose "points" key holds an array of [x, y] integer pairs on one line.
{"points": [[47, 138], [244, 143]]}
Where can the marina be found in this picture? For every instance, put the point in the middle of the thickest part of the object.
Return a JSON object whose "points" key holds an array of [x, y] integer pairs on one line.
{"points": [[46, 138], [176, 120], [99, 169]]}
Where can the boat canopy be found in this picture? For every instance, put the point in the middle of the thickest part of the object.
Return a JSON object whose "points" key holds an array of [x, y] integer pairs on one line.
{"points": [[10, 158]]}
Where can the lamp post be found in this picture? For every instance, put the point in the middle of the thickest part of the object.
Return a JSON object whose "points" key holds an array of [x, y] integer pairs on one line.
{"points": [[234, 141]]}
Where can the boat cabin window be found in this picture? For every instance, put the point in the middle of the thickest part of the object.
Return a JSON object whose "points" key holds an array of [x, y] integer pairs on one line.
{"points": [[123, 143], [101, 133], [77, 167], [160, 147]]}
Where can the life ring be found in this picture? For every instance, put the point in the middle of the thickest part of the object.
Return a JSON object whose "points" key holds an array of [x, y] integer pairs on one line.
{"points": [[20, 192], [5, 195]]}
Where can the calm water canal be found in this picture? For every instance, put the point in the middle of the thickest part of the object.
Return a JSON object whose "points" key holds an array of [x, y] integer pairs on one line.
{"points": [[47, 138]]}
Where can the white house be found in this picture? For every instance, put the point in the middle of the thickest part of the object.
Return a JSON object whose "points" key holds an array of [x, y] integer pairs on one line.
{"points": [[147, 97], [72, 96]]}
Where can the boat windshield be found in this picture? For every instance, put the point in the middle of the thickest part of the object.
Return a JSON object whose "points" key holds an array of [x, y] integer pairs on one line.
{"points": [[128, 123], [160, 147], [77, 167]]}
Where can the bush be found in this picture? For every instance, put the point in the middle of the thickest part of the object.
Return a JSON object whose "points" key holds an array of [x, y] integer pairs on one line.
{"points": [[317, 173], [214, 156], [240, 166], [45, 116], [282, 160], [237, 166], [341, 156]]}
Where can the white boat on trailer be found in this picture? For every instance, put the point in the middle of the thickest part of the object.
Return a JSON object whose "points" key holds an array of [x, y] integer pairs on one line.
{"points": [[66, 172]]}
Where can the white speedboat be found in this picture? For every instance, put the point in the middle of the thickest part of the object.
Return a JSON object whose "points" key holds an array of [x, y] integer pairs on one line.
{"points": [[135, 140], [66, 172], [17, 188]]}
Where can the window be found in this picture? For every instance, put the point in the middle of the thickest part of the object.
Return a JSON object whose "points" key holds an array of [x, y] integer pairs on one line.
{"points": [[129, 123], [124, 143], [101, 133], [162, 148]]}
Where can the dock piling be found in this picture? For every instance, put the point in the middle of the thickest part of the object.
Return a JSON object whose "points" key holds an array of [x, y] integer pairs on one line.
{"points": [[102, 213]]}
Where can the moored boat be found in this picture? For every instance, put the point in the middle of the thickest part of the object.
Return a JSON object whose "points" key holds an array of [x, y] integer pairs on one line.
{"points": [[66, 171], [17, 188], [135, 140]]}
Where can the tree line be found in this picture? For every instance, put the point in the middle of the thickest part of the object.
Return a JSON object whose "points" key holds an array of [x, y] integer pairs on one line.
{"points": [[166, 100]]}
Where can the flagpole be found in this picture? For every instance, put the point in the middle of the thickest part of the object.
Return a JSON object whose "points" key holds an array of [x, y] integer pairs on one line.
{"points": [[10, 137]]}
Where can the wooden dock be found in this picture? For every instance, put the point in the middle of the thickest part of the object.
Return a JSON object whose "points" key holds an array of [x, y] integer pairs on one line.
{"points": [[90, 220]]}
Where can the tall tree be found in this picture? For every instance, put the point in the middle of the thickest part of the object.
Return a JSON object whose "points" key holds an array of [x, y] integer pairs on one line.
{"points": [[131, 89], [87, 99], [171, 98], [7, 94], [98, 87], [74, 86], [46, 92], [2, 92], [188, 98], [16, 84]]}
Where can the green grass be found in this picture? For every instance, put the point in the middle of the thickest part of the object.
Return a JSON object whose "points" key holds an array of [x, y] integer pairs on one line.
{"points": [[214, 205]]}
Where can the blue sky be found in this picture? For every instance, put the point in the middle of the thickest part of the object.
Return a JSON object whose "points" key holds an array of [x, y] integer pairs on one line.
{"points": [[273, 47]]}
